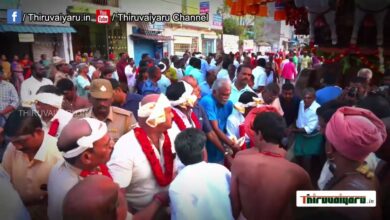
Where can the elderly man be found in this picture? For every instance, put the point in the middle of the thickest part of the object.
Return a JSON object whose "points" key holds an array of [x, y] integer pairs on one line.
{"points": [[31, 85], [354, 133], [241, 84], [210, 183], [83, 81], [49, 107], [218, 109], [29, 159], [309, 142], [9, 99], [201, 115], [86, 148], [263, 174], [365, 73], [138, 169], [119, 121]]}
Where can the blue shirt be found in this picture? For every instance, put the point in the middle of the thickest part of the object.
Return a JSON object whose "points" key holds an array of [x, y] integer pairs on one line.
{"points": [[150, 87], [197, 75], [327, 94], [132, 103], [205, 89], [219, 113]]}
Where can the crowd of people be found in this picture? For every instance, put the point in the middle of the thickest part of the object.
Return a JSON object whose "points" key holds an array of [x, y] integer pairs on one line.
{"points": [[223, 136]]}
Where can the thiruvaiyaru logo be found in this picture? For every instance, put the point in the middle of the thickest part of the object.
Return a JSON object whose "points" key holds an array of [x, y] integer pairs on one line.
{"points": [[14, 16], [336, 198]]}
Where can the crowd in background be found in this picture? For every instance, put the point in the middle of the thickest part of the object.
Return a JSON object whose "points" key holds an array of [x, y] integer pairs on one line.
{"points": [[222, 136]]}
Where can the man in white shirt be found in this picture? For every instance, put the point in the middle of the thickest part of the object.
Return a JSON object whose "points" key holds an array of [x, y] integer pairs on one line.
{"points": [[224, 73], [31, 85], [86, 147], [309, 143], [240, 86], [146, 167], [200, 190], [245, 104], [49, 107], [260, 75]]}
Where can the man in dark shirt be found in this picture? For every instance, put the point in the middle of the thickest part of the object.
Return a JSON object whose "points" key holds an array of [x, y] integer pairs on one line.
{"points": [[289, 103], [124, 99]]}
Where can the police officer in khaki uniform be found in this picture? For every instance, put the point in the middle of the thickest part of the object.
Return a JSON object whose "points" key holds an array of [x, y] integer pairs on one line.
{"points": [[119, 121]]}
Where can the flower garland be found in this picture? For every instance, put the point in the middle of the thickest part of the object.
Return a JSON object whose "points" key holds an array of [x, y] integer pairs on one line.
{"points": [[101, 170], [163, 179], [180, 123]]}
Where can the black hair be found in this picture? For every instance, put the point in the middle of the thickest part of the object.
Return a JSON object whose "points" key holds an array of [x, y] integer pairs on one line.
{"points": [[114, 83], [271, 125], [288, 86], [242, 66], [22, 121], [247, 97], [49, 89], [152, 71], [165, 61], [144, 55], [376, 104], [327, 110], [195, 62], [175, 91], [65, 85], [261, 62], [143, 63], [273, 88], [309, 90], [330, 78], [189, 145], [226, 62]]}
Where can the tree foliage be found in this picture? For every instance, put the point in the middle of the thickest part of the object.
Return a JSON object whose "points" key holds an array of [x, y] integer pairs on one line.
{"points": [[231, 26]]}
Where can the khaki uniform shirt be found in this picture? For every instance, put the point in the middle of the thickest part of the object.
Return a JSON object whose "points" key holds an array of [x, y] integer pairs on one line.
{"points": [[28, 177], [119, 121]]}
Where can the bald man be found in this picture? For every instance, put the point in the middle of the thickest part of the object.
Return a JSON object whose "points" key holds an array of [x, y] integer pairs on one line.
{"points": [[86, 147], [140, 175]]}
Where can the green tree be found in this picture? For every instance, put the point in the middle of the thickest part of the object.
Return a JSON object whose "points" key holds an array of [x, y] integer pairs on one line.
{"points": [[231, 26]]}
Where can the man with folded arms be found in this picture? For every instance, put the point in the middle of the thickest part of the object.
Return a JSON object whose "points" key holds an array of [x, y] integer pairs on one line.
{"points": [[142, 162]]}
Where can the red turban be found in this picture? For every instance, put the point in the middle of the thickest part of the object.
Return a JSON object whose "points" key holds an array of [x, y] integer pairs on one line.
{"points": [[355, 132], [250, 118]]}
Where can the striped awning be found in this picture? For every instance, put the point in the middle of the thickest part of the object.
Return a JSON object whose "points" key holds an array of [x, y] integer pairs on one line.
{"points": [[44, 29]]}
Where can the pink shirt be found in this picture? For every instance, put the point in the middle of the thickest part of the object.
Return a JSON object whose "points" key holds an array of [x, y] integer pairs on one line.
{"points": [[289, 71]]}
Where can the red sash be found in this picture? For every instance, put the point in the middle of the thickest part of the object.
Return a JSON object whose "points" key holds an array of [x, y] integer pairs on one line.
{"points": [[180, 123], [55, 124]]}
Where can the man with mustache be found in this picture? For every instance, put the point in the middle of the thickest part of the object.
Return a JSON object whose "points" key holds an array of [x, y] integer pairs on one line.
{"points": [[119, 121]]}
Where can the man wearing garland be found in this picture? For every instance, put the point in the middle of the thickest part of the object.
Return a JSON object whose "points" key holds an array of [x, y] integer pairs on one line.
{"points": [[142, 162]]}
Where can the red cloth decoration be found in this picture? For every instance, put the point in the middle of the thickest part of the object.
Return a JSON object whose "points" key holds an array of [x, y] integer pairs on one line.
{"points": [[101, 170], [180, 123], [55, 124], [163, 179], [241, 131]]}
